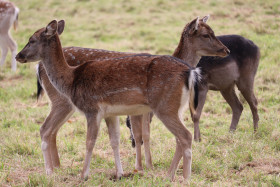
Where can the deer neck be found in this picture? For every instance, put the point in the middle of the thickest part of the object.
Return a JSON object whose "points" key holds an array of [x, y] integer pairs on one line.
{"points": [[58, 71], [185, 52]]}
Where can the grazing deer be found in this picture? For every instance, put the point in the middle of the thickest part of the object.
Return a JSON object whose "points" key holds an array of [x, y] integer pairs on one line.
{"points": [[130, 85], [8, 17], [218, 74], [61, 107]]}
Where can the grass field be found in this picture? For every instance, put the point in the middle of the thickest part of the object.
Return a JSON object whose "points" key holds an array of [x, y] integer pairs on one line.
{"points": [[221, 159]]}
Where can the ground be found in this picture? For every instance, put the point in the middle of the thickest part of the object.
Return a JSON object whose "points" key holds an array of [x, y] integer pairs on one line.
{"points": [[242, 158]]}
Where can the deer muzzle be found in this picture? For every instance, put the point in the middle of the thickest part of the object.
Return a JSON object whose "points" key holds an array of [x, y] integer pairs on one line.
{"points": [[224, 52], [20, 58]]}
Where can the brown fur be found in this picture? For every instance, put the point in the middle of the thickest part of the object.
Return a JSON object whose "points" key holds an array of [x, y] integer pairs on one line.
{"points": [[75, 56], [142, 83]]}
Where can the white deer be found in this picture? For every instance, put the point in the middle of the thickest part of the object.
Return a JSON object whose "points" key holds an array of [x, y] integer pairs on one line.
{"points": [[8, 17]]}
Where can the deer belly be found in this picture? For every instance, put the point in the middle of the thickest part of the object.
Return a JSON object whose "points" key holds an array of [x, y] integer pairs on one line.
{"points": [[117, 110], [223, 77]]}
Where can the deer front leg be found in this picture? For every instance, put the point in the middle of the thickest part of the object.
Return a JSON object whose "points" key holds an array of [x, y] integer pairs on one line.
{"points": [[114, 135], [13, 48], [93, 124], [146, 139], [196, 117], [136, 126]]}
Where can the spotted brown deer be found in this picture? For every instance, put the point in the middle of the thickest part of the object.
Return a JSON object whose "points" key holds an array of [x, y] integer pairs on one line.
{"points": [[129, 85], [8, 17], [61, 107]]}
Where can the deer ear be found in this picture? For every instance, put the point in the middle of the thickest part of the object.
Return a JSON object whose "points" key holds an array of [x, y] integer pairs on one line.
{"points": [[60, 26], [193, 26], [51, 28], [205, 18]]}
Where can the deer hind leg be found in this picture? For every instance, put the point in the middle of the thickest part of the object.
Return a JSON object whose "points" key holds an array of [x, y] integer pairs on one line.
{"points": [[56, 118], [136, 126], [183, 141], [248, 93], [114, 135], [4, 52], [236, 107], [93, 124], [196, 117], [175, 161], [13, 48]]}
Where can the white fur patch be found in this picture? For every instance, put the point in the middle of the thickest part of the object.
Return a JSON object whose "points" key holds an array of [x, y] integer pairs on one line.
{"points": [[188, 153], [44, 146], [116, 110]]}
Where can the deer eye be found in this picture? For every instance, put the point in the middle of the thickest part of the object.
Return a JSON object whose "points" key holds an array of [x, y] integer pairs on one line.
{"points": [[32, 42]]}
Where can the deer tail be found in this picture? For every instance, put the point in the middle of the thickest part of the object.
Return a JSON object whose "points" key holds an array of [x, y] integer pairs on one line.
{"points": [[194, 79], [40, 90], [16, 18]]}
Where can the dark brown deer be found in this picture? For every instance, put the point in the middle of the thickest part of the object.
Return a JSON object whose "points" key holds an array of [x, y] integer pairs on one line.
{"points": [[130, 85], [8, 17], [61, 107], [218, 74], [222, 74]]}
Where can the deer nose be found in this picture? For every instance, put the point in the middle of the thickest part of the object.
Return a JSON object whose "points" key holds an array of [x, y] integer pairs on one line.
{"points": [[19, 57]]}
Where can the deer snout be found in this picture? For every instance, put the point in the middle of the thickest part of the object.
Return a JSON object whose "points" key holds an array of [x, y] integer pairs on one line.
{"points": [[20, 58], [224, 52]]}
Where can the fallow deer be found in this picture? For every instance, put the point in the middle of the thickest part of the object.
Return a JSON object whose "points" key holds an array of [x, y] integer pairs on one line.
{"points": [[8, 17], [218, 74], [130, 85], [61, 107]]}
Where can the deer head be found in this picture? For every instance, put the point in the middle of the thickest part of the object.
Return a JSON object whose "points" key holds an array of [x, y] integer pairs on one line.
{"points": [[34, 49], [198, 39]]}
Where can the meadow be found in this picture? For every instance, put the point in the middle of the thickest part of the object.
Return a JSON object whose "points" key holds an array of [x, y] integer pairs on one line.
{"points": [[242, 158]]}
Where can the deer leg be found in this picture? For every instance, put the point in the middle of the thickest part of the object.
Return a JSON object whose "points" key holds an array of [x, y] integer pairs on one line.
{"points": [[48, 131], [93, 124], [13, 48], [196, 117], [146, 139], [248, 93], [136, 126], [114, 135], [176, 159], [184, 140], [236, 107], [4, 52], [63, 113]]}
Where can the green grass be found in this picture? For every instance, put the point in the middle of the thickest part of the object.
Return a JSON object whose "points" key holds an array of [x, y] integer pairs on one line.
{"points": [[221, 159]]}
